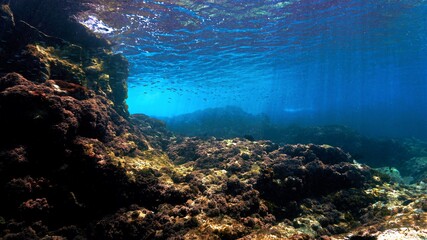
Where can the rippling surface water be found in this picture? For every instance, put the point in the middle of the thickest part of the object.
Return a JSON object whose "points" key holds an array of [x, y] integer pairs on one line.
{"points": [[360, 63]]}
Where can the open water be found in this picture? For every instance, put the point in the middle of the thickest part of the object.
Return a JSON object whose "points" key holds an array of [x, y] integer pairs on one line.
{"points": [[311, 62]]}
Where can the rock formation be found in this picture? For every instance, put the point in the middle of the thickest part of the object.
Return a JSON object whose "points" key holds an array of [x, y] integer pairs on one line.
{"points": [[41, 41]]}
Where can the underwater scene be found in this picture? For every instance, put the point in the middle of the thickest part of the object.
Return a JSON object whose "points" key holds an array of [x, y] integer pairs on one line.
{"points": [[217, 119]]}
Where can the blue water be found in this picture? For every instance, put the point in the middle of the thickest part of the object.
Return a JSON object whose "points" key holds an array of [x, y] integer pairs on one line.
{"points": [[359, 63]]}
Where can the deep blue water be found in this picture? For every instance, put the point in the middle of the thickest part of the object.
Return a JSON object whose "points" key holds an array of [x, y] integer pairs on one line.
{"points": [[359, 63]]}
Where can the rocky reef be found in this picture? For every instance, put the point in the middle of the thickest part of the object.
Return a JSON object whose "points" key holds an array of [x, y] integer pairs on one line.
{"points": [[75, 165], [230, 122]]}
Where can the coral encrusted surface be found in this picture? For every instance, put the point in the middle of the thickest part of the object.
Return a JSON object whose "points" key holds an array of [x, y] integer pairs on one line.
{"points": [[75, 165]]}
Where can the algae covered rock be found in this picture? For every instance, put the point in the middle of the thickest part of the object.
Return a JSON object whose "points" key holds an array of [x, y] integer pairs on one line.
{"points": [[42, 47], [52, 133], [309, 171]]}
